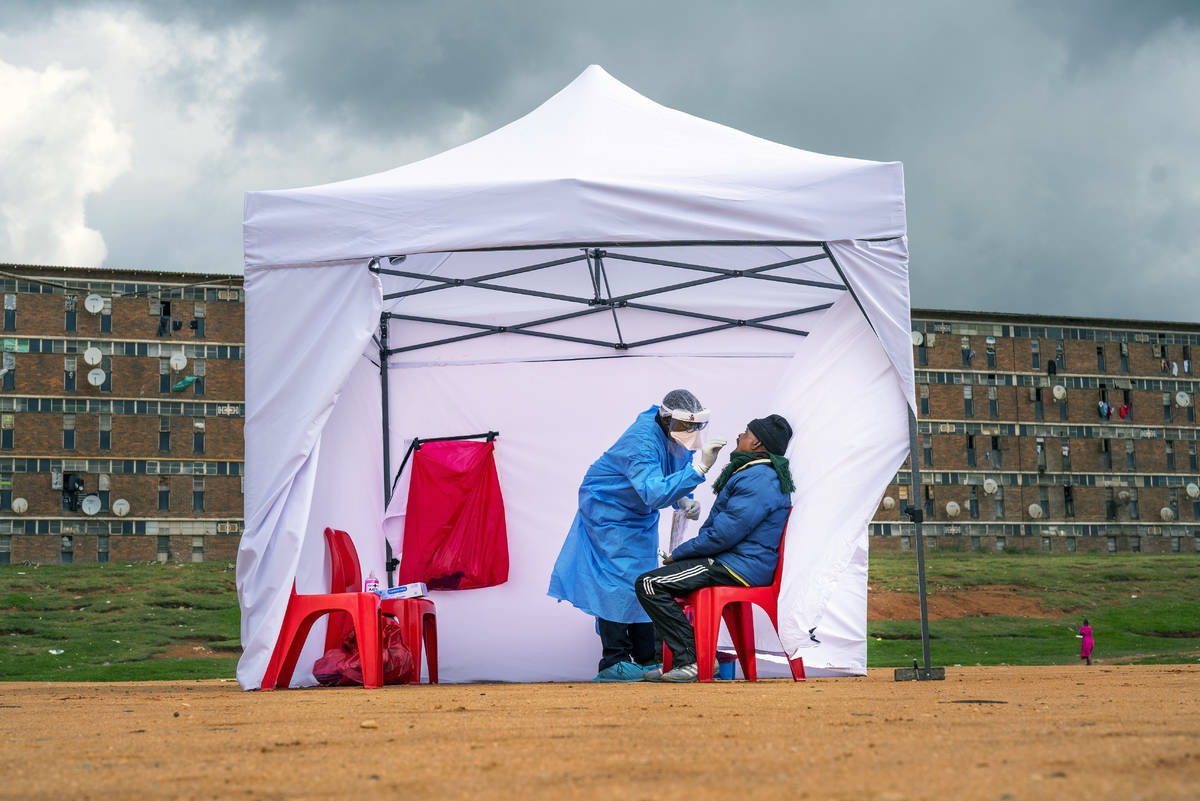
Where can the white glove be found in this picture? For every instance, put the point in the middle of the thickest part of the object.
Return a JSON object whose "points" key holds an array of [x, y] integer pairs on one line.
{"points": [[708, 454], [690, 508]]}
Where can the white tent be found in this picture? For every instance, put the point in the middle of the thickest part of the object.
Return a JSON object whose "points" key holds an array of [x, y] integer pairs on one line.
{"points": [[549, 281]]}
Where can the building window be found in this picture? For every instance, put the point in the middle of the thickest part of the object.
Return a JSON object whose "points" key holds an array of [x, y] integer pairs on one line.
{"points": [[999, 503], [991, 355], [164, 376], [198, 435], [1045, 543], [970, 450], [968, 401], [198, 494], [1112, 544], [106, 317], [1000, 543], [1173, 501], [68, 550], [993, 403], [994, 452], [1175, 545], [1135, 544], [1035, 359], [1170, 455], [68, 432], [1166, 407], [197, 323], [924, 390], [1070, 544], [106, 366], [1066, 456], [102, 548], [1039, 409], [1099, 358], [1060, 356], [197, 549], [5, 549], [1130, 462], [10, 312], [1191, 411], [1040, 447], [975, 544], [1044, 500], [1124, 357], [1110, 504], [928, 490], [1133, 504], [1068, 501], [164, 496], [973, 501], [163, 309], [6, 431], [1106, 454], [968, 355], [927, 450], [1187, 358], [69, 365], [106, 432], [5, 492], [71, 318], [199, 369], [922, 355], [904, 542], [10, 370], [164, 548], [1192, 457], [164, 434], [1062, 410]]}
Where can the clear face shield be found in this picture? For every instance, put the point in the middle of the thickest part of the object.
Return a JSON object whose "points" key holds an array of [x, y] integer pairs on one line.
{"points": [[684, 427]]}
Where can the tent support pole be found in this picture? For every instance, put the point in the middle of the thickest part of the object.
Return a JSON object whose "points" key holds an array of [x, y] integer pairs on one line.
{"points": [[390, 561]]}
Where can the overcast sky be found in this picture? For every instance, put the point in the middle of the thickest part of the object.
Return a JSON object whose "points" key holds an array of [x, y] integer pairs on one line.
{"points": [[1051, 150]]}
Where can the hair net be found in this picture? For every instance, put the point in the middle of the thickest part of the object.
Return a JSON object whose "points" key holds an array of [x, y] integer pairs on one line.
{"points": [[680, 400]]}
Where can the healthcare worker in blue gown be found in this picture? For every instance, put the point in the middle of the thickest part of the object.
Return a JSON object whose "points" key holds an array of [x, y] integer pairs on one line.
{"points": [[655, 464]]}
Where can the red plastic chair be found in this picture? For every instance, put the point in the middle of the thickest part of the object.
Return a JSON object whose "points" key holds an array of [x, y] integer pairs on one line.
{"points": [[417, 616], [345, 605], [736, 606]]}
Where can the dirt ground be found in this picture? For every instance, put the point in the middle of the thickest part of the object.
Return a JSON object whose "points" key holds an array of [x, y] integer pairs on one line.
{"points": [[1003, 733], [982, 601]]}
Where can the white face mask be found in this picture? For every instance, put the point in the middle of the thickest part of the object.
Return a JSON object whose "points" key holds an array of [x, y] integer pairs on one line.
{"points": [[688, 439]]}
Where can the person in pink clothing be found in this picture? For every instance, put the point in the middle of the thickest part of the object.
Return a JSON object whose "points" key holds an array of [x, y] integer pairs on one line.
{"points": [[1085, 631]]}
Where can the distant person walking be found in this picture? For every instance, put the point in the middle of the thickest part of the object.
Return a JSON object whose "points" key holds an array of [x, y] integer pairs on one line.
{"points": [[1085, 631]]}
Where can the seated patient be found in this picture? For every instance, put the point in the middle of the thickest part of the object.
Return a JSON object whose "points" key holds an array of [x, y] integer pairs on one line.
{"points": [[738, 545]]}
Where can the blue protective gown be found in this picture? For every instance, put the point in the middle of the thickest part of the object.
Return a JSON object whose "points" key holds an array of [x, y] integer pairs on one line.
{"points": [[614, 537]]}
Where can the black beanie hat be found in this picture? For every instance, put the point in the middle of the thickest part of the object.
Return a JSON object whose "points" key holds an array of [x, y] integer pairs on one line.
{"points": [[773, 432]]}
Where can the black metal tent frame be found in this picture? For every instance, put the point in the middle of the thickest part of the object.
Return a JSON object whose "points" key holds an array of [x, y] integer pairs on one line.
{"points": [[602, 300]]}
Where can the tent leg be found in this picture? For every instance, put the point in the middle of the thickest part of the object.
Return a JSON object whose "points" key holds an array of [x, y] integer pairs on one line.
{"points": [[916, 514], [385, 414]]}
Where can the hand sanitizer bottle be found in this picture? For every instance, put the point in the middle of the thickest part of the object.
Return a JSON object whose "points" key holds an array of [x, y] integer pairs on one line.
{"points": [[371, 584]]}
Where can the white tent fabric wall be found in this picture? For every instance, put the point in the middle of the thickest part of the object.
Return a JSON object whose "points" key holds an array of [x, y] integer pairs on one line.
{"points": [[312, 391]]}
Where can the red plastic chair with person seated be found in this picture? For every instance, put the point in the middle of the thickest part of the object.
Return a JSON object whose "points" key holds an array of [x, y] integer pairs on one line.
{"points": [[736, 606], [346, 605], [417, 616]]}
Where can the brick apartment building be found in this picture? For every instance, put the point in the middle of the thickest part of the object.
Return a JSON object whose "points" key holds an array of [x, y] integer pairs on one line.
{"points": [[121, 411], [1052, 433], [122, 403]]}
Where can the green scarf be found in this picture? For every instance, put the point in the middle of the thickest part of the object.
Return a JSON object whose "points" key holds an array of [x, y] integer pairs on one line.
{"points": [[739, 459]]}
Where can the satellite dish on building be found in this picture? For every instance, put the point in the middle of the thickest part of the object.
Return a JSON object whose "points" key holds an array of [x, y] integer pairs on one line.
{"points": [[120, 507], [990, 486], [1193, 490], [1035, 510], [1059, 392], [918, 338], [90, 504], [96, 377], [1167, 513], [889, 502], [20, 505], [1183, 399], [1123, 496], [92, 355], [178, 361], [93, 303], [952, 509]]}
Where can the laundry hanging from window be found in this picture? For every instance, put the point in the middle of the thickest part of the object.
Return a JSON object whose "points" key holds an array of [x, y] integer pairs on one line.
{"points": [[455, 536]]}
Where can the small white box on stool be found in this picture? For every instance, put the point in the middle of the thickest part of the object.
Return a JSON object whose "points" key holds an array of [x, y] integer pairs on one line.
{"points": [[414, 590]]}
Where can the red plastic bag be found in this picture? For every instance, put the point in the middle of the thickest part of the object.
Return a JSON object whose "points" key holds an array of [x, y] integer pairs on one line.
{"points": [[343, 666], [454, 532]]}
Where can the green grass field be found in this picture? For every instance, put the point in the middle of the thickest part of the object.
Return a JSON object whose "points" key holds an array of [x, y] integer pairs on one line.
{"points": [[119, 622]]}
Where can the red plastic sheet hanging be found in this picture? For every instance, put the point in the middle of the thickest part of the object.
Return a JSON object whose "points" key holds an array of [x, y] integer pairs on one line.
{"points": [[454, 532]]}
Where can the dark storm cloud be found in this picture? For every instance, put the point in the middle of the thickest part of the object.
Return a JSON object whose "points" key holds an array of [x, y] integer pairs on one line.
{"points": [[1049, 148]]}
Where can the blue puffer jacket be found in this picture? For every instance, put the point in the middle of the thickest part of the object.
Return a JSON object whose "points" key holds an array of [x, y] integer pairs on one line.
{"points": [[743, 529]]}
